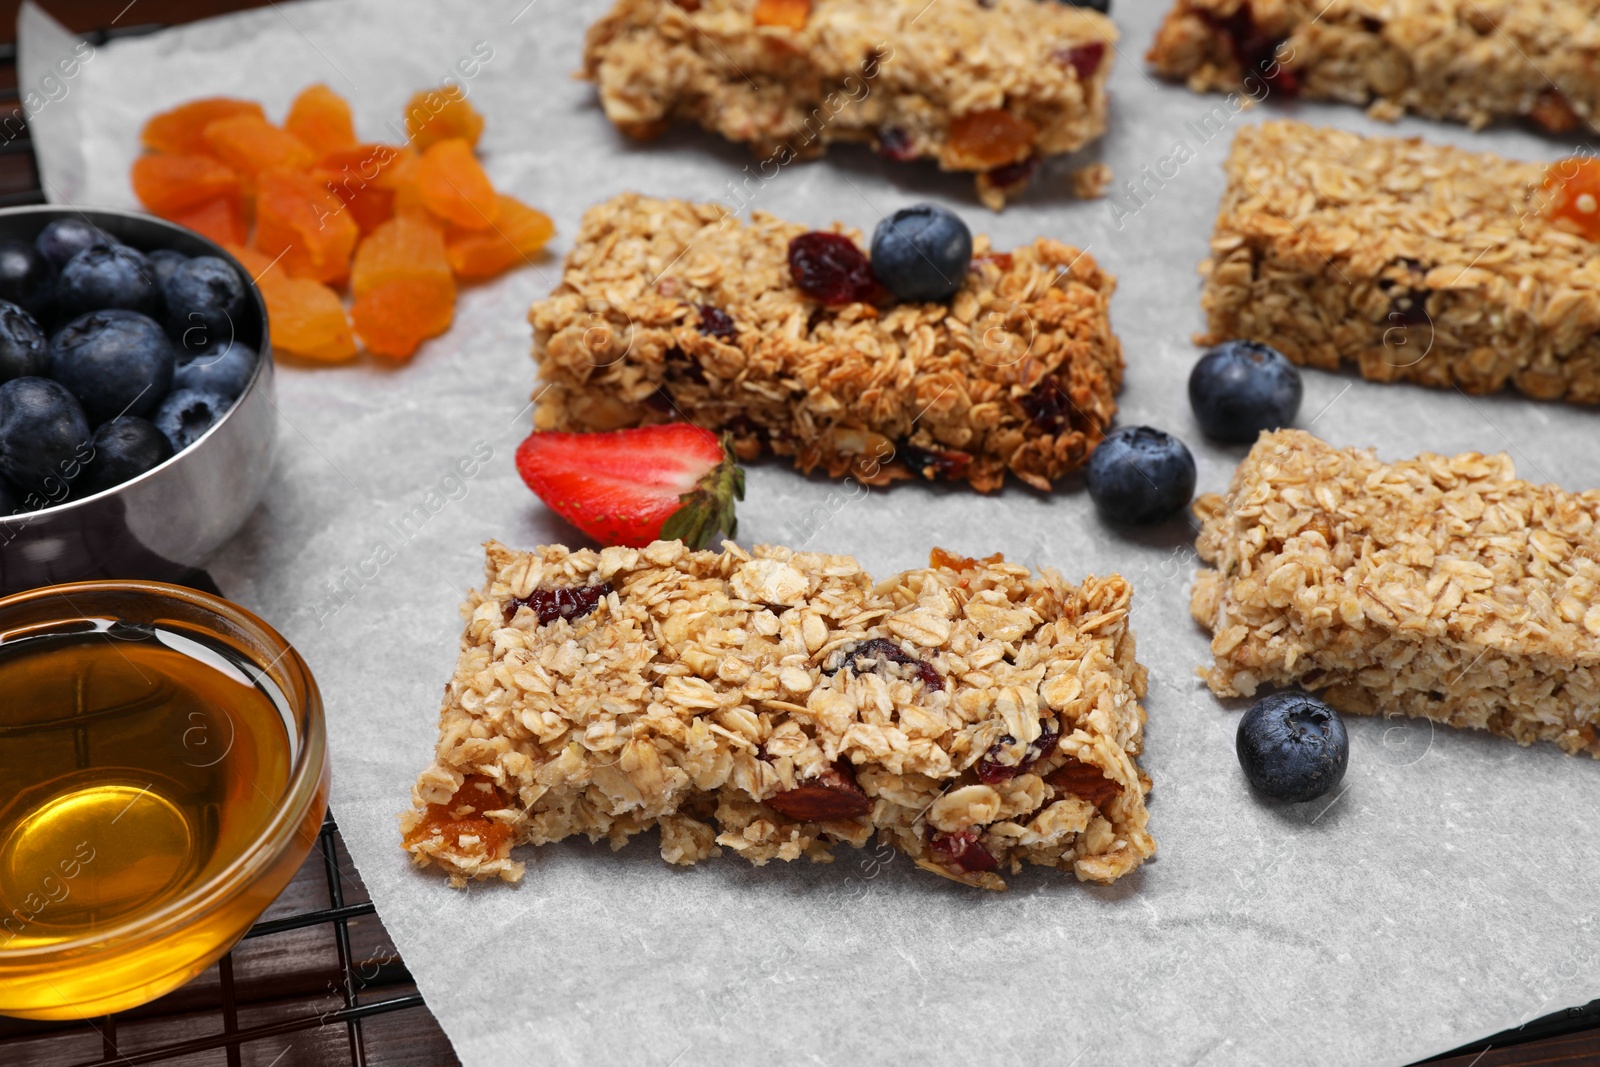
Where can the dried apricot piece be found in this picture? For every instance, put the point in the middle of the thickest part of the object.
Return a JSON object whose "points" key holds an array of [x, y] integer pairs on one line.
{"points": [[357, 176], [181, 131], [250, 144], [306, 318], [321, 118], [454, 187], [221, 219], [404, 248], [402, 179], [790, 13], [1573, 190], [992, 138], [299, 219], [520, 232], [395, 317], [167, 184], [439, 114]]}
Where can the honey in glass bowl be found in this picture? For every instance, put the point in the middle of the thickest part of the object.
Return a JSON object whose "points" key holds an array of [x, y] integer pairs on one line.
{"points": [[145, 763]]}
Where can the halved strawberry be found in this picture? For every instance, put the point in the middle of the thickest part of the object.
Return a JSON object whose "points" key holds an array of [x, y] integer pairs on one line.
{"points": [[631, 487]]}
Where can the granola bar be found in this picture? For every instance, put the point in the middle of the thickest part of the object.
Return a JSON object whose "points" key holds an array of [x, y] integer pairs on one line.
{"points": [[774, 703], [989, 87], [1470, 61], [1441, 587], [673, 310], [1413, 261]]}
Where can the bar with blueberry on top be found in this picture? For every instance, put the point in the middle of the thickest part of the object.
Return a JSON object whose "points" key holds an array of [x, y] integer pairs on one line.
{"points": [[786, 339], [991, 86], [775, 704], [1412, 261], [1471, 61], [1441, 587]]}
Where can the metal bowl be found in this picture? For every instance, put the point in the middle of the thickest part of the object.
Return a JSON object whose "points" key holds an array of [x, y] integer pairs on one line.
{"points": [[168, 521]]}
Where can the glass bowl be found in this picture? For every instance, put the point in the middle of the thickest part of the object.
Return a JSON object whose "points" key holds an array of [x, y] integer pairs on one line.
{"points": [[141, 836]]}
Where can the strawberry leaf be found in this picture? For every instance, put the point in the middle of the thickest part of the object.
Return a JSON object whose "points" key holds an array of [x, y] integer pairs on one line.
{"points": [[709, 506]]}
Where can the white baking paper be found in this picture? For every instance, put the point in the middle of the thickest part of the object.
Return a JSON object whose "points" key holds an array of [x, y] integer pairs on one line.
{"points": [[1448, 890]]}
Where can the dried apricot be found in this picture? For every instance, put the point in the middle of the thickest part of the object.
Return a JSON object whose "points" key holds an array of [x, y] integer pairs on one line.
{"points": [[405, 248], [321, 118], [454, 187], [166, 184], [181, 131], [1573, 190], [992, 138], [520, 232], [221, 219], [439, 114], [357, 177], [254, 263], [250, 144], [790, 13], [402, 179], [299, 219], [306, 318], [395, 317]]}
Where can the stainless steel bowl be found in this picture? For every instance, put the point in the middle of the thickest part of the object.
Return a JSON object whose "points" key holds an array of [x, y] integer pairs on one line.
{"points": [[168, 521]]}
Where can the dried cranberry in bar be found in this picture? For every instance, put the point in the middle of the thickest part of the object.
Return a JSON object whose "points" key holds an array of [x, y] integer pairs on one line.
{"points": [[828, 267], [552, 604]]}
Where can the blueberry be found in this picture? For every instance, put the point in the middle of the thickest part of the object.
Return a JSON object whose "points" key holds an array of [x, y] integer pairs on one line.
{"points": [[124, 448], [1292, 746], [1240, 388], [115, 362], [44, 436], [23, 351], [165, 261], [187, 413], [65, 238], [25, 275], [922, 252], [204, 297], [1139, 475], [223, 368], [107, 276]]}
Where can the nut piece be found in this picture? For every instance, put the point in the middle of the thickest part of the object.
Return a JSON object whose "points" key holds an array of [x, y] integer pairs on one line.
{"points": [[1085, 780], [832, 795]]}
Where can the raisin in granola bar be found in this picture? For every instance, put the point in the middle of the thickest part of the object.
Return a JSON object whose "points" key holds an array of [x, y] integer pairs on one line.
{"points": [[1441, 587], [672, 310], [776, 703], [1470, 61], [1413, 261], [990, 87]]}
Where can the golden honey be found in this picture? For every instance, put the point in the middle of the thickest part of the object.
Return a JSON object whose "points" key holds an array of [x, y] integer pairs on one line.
{"points": [[137, 763]]}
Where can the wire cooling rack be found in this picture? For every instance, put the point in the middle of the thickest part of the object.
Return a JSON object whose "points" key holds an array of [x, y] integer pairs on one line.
{"points": [[317, 982]]}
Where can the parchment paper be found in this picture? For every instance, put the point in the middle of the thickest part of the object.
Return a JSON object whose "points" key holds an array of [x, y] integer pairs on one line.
{"points": [[1446, 892]]}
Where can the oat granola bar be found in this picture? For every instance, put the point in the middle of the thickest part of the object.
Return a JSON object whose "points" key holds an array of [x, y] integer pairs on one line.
{"points": [[1470, 61], [1413, 261], [774, 703], [1441, 587], [990, 87], [672, 310]]}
